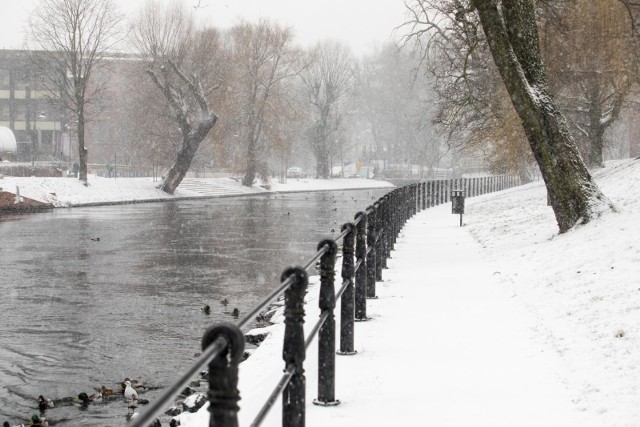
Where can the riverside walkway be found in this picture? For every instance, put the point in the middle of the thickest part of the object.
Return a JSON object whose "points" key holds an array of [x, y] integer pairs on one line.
{"points": [[445, 346]]}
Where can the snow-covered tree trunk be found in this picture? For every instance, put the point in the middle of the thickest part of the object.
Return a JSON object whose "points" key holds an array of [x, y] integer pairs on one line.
{"points": [[510, 28], [192, 135]]}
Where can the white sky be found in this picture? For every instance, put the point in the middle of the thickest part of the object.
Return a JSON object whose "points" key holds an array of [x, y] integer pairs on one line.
{"points": [[360, 23]]}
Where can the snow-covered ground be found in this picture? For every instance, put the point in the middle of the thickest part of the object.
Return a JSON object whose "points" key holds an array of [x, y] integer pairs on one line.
{"points": [[64, 192], [501, 322]]}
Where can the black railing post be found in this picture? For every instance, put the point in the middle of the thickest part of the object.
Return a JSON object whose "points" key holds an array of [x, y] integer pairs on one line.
{"points": [[388, 227], [433, 193], [361, 273], [223, 375], [384, 232], [380, 260], [293, 352], [395, 219], [327, 334], [414, 199], [372, 220], [347, 302], [424, 195]]}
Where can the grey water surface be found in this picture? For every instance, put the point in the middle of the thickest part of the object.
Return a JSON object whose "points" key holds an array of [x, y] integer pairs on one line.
{"points": [[78, 313]]}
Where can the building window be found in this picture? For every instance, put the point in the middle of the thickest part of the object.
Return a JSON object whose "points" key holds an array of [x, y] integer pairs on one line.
{"points": [[5, 78], [4, 111]]}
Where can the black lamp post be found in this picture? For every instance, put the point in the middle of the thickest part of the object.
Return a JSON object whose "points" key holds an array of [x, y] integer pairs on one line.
{"points": [[34, 137]]}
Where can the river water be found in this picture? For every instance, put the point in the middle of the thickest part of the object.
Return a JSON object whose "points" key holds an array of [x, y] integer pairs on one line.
{"points": [[90, 296]]}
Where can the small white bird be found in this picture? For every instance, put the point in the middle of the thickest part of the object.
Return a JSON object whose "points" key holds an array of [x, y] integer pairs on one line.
{"points": [[129, 392]]}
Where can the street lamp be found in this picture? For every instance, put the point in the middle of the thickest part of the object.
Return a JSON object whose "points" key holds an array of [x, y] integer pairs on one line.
{"points": [[35, 131]]}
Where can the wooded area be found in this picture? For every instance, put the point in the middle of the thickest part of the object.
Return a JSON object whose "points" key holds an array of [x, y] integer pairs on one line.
{"points": [[251, 101]]}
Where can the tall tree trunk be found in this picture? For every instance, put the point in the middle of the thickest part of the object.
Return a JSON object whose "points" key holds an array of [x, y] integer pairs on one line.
{"points": [[190, 143], [596, 145], [596, 127], [82, 149], [322, 164], [252, 162], [192, 135], [510, 28]]}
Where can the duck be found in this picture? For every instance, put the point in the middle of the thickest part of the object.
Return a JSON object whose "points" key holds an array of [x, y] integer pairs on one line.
{"points": [[95, 239], [235, 312], [129, 392], [224, 301], [37, 421], [262, 318], [206, 309], [44, 404], [85, 399], [107, 392]]}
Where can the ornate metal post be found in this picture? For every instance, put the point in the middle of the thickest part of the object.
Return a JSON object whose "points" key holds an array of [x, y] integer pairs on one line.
{"points": [[380, 259], [382, 238], [327, 334], [436, 195], [443, 199], [372, 220], [414, 198], [223, 375], [396, 204], [347, 302], [361, 273], [293, 352]]}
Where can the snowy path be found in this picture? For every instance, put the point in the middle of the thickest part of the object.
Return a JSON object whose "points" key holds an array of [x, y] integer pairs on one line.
{"points": [[446, 346]]}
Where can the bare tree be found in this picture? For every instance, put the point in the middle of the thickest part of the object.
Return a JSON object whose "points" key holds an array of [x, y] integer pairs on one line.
{"points": [[72, 39], [264, 56], [396, 102], [167, 36], [328, 83], [511, 34], [592, 68]]}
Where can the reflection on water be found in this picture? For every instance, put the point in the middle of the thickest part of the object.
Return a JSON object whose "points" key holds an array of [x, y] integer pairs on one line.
{"points": [[93, 295]]}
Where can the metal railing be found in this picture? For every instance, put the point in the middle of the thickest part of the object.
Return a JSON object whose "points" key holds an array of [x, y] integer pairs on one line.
{"points": [[367, 243]]}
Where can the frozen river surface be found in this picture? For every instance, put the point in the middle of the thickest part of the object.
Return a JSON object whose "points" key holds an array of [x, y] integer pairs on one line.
{"points": [[93, 295]]}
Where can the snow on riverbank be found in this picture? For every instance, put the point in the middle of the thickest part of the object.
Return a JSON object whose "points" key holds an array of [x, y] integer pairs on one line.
{"points": [[574, 297], [568, 304], [64, 192]]}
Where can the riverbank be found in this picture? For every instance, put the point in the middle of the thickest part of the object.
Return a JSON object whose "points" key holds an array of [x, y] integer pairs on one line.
{"points": [[70, 192], [501, 322]]}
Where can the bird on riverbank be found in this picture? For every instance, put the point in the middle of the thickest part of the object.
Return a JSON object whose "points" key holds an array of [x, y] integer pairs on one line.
{"points": [[206, 309], [224, 301], [235, 312], [129, 392], [136, 384]]}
